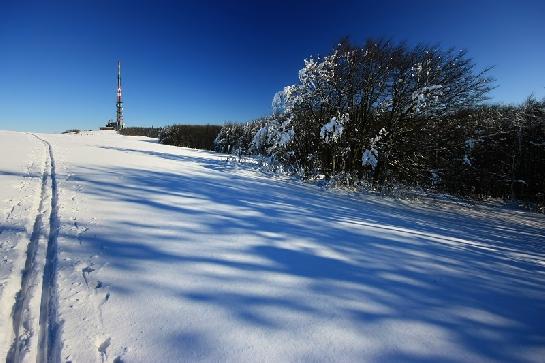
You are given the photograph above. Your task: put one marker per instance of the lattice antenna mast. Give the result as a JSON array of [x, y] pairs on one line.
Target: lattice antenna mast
[[120, 123]]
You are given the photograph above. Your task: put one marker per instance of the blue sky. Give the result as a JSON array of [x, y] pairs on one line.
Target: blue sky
[[215, 61]]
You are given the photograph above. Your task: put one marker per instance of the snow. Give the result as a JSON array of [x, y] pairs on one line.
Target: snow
[[283, 100], [370, 156], [333, 130], [469, 146], [20, 176], [427, 96], [285, 137], [261, 138], [175, 254], [275, 134]]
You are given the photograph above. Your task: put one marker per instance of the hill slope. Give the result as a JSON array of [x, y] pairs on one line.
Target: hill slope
[[173, 254]]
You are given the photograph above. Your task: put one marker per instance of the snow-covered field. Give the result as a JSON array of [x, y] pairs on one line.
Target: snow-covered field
[[172, 254]]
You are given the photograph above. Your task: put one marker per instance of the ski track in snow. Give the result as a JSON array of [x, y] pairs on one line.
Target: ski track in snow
[[49, 326], [22, 325], [158, 253], [25, 318], [20, 181]]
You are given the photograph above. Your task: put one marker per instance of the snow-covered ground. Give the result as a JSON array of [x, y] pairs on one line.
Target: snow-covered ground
[[172, 254]]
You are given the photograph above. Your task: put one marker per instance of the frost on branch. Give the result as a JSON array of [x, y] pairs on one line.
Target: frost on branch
[[275, 134], [333, 130], [283, 100], [284, 137], [370, 156], [427, 97], [317, 72], [469, 145]]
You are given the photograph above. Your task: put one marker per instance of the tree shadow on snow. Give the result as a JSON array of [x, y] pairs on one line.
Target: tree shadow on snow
[[479, 279]]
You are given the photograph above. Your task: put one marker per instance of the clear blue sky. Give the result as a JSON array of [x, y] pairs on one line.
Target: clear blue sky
[[212, 61]]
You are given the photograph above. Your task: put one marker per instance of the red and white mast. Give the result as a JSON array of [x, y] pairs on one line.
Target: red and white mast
[[120, 123]]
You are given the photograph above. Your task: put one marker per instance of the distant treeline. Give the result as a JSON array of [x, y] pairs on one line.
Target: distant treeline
[[193, 136], [141, 131], [385, 114], [72, 131]]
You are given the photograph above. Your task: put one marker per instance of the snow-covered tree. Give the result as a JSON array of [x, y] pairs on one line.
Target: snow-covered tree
[[404, 114], [332, 131], [370, 155]]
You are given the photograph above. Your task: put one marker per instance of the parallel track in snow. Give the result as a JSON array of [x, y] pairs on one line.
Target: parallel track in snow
[[49, 326], [24, 312]]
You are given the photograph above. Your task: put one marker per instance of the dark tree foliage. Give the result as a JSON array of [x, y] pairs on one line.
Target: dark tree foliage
[[380, 86], [193, 136], [141, 131], [506, 157], [392, 114], [72, 131]]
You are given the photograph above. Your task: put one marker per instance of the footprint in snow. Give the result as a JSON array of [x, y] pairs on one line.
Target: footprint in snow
[[102, 348], [85, 272]]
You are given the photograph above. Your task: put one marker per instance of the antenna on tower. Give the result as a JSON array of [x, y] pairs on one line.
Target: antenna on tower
[[120, 123]]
